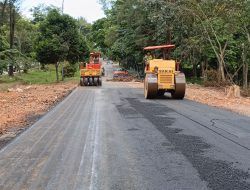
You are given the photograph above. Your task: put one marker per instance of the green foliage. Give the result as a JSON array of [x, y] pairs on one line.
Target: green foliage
[[38, 77], [98, 35], [26, 33], [40, 12], [15, 58], [34, 76], [69, 70], [3, 42], [208, 33], [59, 39]]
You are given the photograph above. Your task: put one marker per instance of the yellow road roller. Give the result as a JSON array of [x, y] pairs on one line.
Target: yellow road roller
[[163, 74]]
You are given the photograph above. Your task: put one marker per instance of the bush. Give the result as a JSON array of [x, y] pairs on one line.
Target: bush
[[69, 71], [3, 66], [26, 67], [212, 78], [245, 92]]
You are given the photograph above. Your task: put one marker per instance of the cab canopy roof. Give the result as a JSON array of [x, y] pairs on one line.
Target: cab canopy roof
[[169, 46]]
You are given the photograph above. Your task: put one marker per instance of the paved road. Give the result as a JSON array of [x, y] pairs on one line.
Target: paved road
[[112, 138]]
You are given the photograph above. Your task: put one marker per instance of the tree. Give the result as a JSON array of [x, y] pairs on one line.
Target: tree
[[17, 59], [3, 6], [26, 33], [13, 8], [40, 12], [207, 34], [59, 40], [98, 35]]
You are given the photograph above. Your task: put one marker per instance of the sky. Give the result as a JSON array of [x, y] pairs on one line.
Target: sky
[[91, 10]]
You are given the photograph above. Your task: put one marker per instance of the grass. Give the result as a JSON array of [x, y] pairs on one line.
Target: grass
[[34, 77]]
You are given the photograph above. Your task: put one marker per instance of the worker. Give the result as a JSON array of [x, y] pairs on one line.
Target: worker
[[96, 60], [103, 71], [148, 57]]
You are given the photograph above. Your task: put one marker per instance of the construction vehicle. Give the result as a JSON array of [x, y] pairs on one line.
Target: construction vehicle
[[91, 73], [120, 73], [163, 75]]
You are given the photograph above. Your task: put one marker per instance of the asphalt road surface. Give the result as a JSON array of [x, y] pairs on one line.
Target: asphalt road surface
[[110, 137]]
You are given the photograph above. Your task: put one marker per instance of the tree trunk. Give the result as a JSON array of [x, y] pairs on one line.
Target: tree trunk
[[2, 12], [12, 32], [12, 26], [194, 70], [203, 69], [221, 69], [194, 64], [11, 70], [57, 74], [245, 69], [245, 76]]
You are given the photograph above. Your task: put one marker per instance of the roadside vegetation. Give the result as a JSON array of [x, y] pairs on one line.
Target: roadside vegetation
[[212, 38], [35, 76], [29, 47]]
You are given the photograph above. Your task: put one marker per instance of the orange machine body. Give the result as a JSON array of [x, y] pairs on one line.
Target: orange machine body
[[91, 72]]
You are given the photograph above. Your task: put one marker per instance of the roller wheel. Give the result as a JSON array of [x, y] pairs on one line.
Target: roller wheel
[[81, 82], [180, 86], [91, 81], [161, 92], [96, 81], [100, 81], [85, 81], [150, 86]]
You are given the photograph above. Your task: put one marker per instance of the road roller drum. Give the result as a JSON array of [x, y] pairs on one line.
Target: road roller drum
[[150, 86]]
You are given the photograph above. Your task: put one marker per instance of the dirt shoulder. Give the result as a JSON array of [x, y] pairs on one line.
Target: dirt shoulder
[[22, 105], [218, 97]]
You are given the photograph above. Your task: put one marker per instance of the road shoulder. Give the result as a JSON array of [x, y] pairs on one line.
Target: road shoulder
[[23, 105]]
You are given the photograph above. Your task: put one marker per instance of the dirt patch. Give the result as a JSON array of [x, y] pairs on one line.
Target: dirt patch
[[21, 106], [218, 97]]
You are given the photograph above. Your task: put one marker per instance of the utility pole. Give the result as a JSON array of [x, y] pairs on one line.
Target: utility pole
[[63, 61], [62, 6]]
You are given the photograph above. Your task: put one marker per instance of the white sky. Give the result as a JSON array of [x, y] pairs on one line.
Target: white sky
[[89, 9]]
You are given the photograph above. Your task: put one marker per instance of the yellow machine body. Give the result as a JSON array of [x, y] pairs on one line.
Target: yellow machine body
[[166, 73], [163, 75], [90, 72]]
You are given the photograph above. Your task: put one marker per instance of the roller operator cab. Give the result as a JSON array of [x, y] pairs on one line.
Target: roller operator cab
[[91, 73], [163, 75]]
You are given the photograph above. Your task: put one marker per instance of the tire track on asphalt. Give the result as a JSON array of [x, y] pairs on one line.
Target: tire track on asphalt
[[208, 128], [21, 157], [56, 157], [87, 176], [95, 141], [72, 159], [218, 173]]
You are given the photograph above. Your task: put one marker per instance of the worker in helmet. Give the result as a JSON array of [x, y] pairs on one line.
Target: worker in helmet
[[147, 58]]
